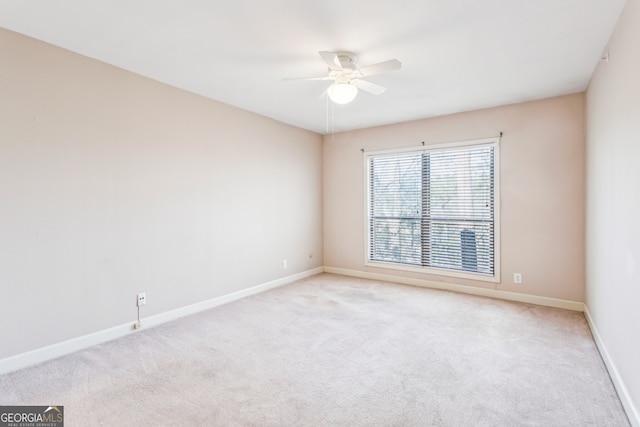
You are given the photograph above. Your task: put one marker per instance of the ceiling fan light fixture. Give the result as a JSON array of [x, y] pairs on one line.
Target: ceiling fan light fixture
[[342, 93]]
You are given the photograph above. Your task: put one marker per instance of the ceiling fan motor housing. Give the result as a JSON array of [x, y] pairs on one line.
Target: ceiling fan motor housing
[[349, 71], [347, 60]]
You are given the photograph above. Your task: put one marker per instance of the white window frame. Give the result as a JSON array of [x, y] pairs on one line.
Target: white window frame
[[495, 278]]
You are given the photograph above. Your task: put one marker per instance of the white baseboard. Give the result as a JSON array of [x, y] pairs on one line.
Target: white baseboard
[[491, 293], [33, 357], [623, 393], [53, 351]]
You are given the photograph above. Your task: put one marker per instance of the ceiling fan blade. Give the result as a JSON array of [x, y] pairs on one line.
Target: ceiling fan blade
[[331, 59], [368, 86], [381, 67]]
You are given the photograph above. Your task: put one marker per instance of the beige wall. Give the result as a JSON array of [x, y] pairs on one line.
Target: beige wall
[[542, 209], [111, 184], [613, 206]]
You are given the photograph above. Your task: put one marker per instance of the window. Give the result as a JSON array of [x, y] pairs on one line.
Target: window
[[435, 209]]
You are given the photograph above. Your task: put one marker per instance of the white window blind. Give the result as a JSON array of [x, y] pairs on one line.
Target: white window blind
[[434, 208]]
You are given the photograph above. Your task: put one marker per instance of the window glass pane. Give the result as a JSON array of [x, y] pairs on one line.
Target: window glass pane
[[461, 246], [461, 183], [396, 198], [396, 188], [460, 217], [396, 240]]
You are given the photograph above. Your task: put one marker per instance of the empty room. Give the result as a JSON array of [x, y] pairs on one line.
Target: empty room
[[337, 213]]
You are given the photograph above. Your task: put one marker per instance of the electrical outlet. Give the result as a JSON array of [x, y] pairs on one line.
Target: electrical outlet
[[284, 263], [517, 278], [142, 299]]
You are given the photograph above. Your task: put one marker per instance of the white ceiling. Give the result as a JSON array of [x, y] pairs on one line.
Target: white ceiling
[[457, 55]]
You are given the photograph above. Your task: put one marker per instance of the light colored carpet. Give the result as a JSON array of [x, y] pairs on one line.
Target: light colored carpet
[[338, 351]]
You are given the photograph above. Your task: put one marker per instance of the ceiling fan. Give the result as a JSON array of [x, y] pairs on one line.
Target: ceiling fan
[[348, 78]]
